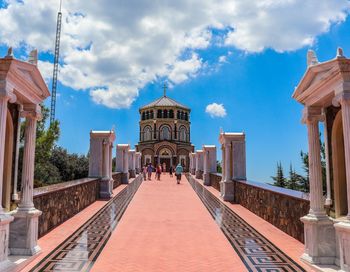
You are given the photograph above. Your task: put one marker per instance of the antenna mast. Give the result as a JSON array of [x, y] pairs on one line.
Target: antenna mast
[[55, 65]]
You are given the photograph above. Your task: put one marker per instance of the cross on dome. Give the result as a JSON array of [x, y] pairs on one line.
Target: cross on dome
[[164, 89]]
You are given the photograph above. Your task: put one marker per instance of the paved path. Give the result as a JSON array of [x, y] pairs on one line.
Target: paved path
[[167, 228]]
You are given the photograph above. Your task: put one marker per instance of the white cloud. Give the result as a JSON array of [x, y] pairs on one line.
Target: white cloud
[[223, 59], [113, 49], [215, 110], [182, 70]]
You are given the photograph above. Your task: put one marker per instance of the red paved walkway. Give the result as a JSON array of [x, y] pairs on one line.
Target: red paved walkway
[[167, 228], [51, 240]]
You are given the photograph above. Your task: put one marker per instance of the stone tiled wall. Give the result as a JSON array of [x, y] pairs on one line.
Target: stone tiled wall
[[199, 174], [280, 209], [59, 202], [215, 180], [117, 179]]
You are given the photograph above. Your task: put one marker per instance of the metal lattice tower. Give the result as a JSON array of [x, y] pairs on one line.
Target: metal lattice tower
[[55, 65]]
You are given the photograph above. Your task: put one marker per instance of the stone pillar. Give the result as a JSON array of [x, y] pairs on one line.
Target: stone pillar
[[132, 163], [209, 152], [328, 178], [138, 162], [319, 232], [15, 176], [122, 162], [100, 161], [191, 162], [5, 219], [343, 228], [106, 183], [226, 184], [194, 163], [199, 164], [24, 229]]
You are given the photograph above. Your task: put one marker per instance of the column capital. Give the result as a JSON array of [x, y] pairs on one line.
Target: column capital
[[341, 98], [312, 114], [32, 111], [6, 92]]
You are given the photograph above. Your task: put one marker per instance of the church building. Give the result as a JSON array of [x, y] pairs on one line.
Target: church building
[[165, 133]]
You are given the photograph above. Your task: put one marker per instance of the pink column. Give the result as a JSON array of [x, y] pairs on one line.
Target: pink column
[[345, 105], [4, 218], [26, 202], [3, 116], [312, 116], [24, 230]]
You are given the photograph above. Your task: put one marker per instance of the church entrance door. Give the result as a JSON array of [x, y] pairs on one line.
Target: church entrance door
[[166, 161]]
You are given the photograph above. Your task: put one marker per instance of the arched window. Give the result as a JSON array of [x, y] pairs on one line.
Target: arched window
[[152, 115], [178, 115], [171, 114], [147, 134], [165, 113], [165, 133], [147, 115], [159, 114], [143, 116], [182, 115], [186, 116], [182, 134]]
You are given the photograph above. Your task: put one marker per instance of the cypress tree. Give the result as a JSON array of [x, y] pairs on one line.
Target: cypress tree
[[279, 179]]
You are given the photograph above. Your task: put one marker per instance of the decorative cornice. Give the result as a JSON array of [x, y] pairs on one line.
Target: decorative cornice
[[31, 111], [312, 114]]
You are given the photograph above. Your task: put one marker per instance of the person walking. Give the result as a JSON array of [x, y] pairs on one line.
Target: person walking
[[178, 172], [164, 168], [158, 171], [171, 170], [144, 172], [149, 171]]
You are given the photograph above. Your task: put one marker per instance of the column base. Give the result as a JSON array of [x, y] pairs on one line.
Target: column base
[[320, 245], [342, 230], [193, 171], [132, 173], [227, 190], [24, 232], [206, 179], [199, 174], [106, 188], [5, 221], [125, 178]]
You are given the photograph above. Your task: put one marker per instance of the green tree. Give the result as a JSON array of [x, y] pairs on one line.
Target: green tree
[[44, 172], [53, 164], [304, 183], [70, 166], [279, 179], [292, 182], [218, 167]]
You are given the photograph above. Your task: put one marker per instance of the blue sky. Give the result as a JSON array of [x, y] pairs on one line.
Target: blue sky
[[254, 83]]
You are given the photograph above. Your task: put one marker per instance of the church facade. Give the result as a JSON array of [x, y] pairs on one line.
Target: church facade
[[165, 135]]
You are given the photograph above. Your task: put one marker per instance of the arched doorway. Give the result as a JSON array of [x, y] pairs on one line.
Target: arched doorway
[[7, 175], [165, 156], [339, 174]]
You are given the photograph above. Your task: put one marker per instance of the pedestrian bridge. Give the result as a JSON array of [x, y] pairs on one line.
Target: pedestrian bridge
[[162, 226], [210, 222]]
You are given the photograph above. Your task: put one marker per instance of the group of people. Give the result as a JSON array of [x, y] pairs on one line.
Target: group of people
[[148, 169]]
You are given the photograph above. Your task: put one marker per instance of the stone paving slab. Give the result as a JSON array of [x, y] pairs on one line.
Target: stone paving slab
[[289, 245], [167, 228], [56, 236]]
